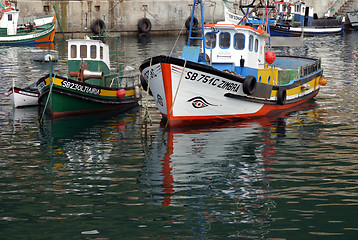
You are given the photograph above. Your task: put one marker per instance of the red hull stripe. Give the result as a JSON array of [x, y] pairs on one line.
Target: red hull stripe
[[266, 110]]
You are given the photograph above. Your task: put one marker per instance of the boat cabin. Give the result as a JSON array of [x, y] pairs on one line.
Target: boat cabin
[[235, 48], [94, 53], [303, 14], [8, 21], [284, 8]]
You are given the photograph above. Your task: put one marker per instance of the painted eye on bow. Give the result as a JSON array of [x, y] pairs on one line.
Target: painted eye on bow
[[199, 102]]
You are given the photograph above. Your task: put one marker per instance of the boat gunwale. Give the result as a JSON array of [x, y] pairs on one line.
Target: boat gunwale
[[206, 68]]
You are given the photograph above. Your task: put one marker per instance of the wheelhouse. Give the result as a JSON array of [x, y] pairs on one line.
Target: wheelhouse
[[235, 48], [94, 52]]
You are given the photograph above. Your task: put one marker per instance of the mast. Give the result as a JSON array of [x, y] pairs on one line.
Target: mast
[[191, 30]]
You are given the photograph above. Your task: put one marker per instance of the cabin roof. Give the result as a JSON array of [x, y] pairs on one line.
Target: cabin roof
[[231, 26]]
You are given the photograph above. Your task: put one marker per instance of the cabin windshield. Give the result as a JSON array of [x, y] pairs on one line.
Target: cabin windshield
[[239, 41], [93, 51], [210, 40], [251, 42], [224, 40], [83, 51]]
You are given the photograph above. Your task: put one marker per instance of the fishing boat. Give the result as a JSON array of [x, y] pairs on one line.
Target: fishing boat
[[352, 18], [37, 31], [91, 84], [24, 97], [232, 76], [301, 19]]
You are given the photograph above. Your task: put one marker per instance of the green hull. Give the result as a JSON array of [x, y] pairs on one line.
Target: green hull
[[64, 101]]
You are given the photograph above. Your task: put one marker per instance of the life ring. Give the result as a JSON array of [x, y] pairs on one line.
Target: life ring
[[98, 26], [144, 25], [188, 22], [281, 96], [261, 27], [249, 85]]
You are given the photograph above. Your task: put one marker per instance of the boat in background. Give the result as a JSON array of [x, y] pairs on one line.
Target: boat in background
[[37, 31], [352, 19], [304, 21], [232, 76], [91, 84], [43, 55], [24, 97]]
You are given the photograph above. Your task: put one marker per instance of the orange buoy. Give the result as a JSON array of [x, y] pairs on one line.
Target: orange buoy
[[121, 92], [323, 81], [270, 57], [7, 94]]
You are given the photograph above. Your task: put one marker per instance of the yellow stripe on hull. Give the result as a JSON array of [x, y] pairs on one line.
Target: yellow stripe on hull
[[103, 92]]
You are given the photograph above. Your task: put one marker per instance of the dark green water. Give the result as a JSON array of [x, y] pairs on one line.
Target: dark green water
[[294, 176]]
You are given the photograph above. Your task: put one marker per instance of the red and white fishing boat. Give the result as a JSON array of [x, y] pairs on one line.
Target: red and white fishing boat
[[237, 79]]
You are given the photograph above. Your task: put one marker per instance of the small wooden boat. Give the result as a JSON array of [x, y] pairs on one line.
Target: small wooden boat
[[231, 76], [91, 85], [40, 30], [24, 97]]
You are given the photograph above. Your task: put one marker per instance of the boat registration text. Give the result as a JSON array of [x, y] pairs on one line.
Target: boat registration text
[[80, 87], [220, 83]]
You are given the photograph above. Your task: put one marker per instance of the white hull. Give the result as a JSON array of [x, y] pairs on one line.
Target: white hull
[[22, 98], [194, 94], [27, 37]]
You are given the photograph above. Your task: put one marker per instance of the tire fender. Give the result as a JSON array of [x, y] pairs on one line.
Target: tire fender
[[188, 21], [281, 96], [249, 85], [144, 25], [98, 26]]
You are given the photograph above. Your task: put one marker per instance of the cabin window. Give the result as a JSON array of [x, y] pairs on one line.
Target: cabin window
[[9, 17], [224, 40], [251, 42], [256, 45], [239, 41], [93, 51], [101, 52], [210, 40], [83, 51], [73, 51]]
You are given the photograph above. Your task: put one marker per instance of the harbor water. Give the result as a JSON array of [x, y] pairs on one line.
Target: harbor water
[[108, 176]]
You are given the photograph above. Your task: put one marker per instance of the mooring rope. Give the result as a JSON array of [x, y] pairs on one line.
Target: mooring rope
[[48, 97], [146, 111], [176, 93], [176, 41]]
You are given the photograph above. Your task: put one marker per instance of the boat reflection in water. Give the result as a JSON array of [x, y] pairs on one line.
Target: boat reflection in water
[[218, 172], [83, 147]]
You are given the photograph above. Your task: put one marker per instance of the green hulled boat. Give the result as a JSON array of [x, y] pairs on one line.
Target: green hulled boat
[[91, 85]]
